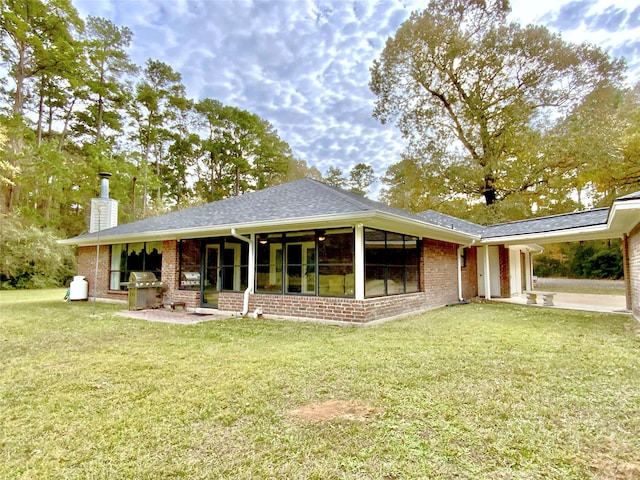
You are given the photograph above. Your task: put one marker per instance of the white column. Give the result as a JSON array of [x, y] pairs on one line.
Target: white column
[[359, 261], [487, 274], [528, 270], [252, 262]]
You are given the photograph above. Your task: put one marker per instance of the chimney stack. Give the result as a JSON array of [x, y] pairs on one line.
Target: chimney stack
[[104, 210], [104, 184]]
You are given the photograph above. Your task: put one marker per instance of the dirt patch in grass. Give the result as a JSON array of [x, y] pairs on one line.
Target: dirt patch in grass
[[350, 410], [613, 469]]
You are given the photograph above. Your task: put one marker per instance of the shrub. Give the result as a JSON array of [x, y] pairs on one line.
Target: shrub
[[32, 258]]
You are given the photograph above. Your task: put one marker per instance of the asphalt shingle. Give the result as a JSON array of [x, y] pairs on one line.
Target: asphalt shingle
[[588, 218], [298, 199]]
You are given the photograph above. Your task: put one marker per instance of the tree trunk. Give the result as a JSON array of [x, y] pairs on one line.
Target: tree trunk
[[489, 191], [66, 124]]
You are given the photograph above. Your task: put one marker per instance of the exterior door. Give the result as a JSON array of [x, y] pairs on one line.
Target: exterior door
[[211, 276], [300, 277], [494, 271]]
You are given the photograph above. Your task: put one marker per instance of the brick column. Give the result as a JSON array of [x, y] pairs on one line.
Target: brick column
[[627, 270]]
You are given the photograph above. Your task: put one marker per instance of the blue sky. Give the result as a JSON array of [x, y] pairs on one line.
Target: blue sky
[[304, 65]]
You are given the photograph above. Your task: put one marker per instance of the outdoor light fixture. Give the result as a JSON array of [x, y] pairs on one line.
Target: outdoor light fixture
[[262, 239], [322, 235]]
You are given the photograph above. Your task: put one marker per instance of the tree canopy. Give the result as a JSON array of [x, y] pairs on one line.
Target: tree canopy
[[477, 98], [74, 104]]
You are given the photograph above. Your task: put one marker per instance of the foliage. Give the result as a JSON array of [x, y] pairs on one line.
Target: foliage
[[475, 391], [335, 177], [474, 95], [31, 257], [361, 176], [74, 104], [592, 259]]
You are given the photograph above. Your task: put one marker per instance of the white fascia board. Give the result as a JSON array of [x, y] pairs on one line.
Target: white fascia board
[[624, 216], [325, 221], [567, 235], [373, 219], [422, 229], [529, 247]]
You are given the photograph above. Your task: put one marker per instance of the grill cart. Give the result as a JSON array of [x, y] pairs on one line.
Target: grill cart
[[145, 291]]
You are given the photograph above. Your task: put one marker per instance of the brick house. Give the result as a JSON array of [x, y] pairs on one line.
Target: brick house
[[307, 250]]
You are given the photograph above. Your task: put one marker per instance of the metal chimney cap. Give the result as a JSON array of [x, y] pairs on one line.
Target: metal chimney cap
[[104, 174]]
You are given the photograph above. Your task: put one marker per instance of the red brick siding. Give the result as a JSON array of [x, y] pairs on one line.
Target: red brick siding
[[439, 272], [634, 270], [505, 284], [86, 267], [438, 282], [470, 274], [326, 308]]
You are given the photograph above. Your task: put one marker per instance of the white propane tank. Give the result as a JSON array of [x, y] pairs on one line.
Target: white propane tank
[[79, 289]]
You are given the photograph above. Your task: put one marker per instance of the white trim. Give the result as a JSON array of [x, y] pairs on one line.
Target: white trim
[[359, 261], [373, 219]]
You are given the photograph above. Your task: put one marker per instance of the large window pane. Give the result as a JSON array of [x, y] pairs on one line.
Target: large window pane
[[190, 253], [269, 263], [391, 263], [335, 263], [300, 262], [235, 259], [134, 257]]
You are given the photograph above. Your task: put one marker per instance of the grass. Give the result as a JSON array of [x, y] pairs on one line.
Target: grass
[[479, 391]]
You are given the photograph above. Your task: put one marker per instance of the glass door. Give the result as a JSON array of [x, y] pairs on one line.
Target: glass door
[[212, 273], [301, 275]]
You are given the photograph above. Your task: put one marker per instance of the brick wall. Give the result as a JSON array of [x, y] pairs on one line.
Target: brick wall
[[439, 272], [505, 284], [327, 308], [634, 270], [438, 278], [470, 274], [86, 267]]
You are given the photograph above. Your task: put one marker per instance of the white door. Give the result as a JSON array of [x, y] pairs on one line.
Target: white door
[[494, 271]]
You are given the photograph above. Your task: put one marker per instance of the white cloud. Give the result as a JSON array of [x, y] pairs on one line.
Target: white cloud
[[304, 65]]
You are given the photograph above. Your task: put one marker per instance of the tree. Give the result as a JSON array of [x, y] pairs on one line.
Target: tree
[[463, 83], [360, 178], [109, 65], [36, 44], [241, 152], [159, 94], [31, 257], [335, 177]]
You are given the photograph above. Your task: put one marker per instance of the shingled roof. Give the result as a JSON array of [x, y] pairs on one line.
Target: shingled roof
[[448, 221], [312, 200], [305, 198], [588, 218]]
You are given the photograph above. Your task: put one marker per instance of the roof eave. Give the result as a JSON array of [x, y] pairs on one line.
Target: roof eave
[[372, 218], [595, 232]]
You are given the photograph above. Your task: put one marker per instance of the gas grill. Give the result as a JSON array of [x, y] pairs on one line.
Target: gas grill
[[145, 291]]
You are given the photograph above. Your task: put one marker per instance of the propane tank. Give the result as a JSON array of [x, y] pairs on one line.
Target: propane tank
[[79, 289]]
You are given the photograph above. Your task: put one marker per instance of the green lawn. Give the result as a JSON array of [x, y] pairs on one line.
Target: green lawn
[[475, 391]]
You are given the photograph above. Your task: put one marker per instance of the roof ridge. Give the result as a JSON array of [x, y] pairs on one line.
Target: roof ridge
[[452, 216], [348, 196]]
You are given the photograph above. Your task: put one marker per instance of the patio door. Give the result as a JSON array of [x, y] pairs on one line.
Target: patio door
[[301, 275], [494, 271], [211, 285]]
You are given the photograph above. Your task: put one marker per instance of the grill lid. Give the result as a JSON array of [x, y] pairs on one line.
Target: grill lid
[[142, 277]]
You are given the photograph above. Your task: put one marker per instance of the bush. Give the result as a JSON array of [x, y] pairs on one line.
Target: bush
[[32, 258], [592, 259]]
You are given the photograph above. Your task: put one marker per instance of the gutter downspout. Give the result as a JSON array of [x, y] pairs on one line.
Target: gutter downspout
[[249, 290], [530, 279]]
